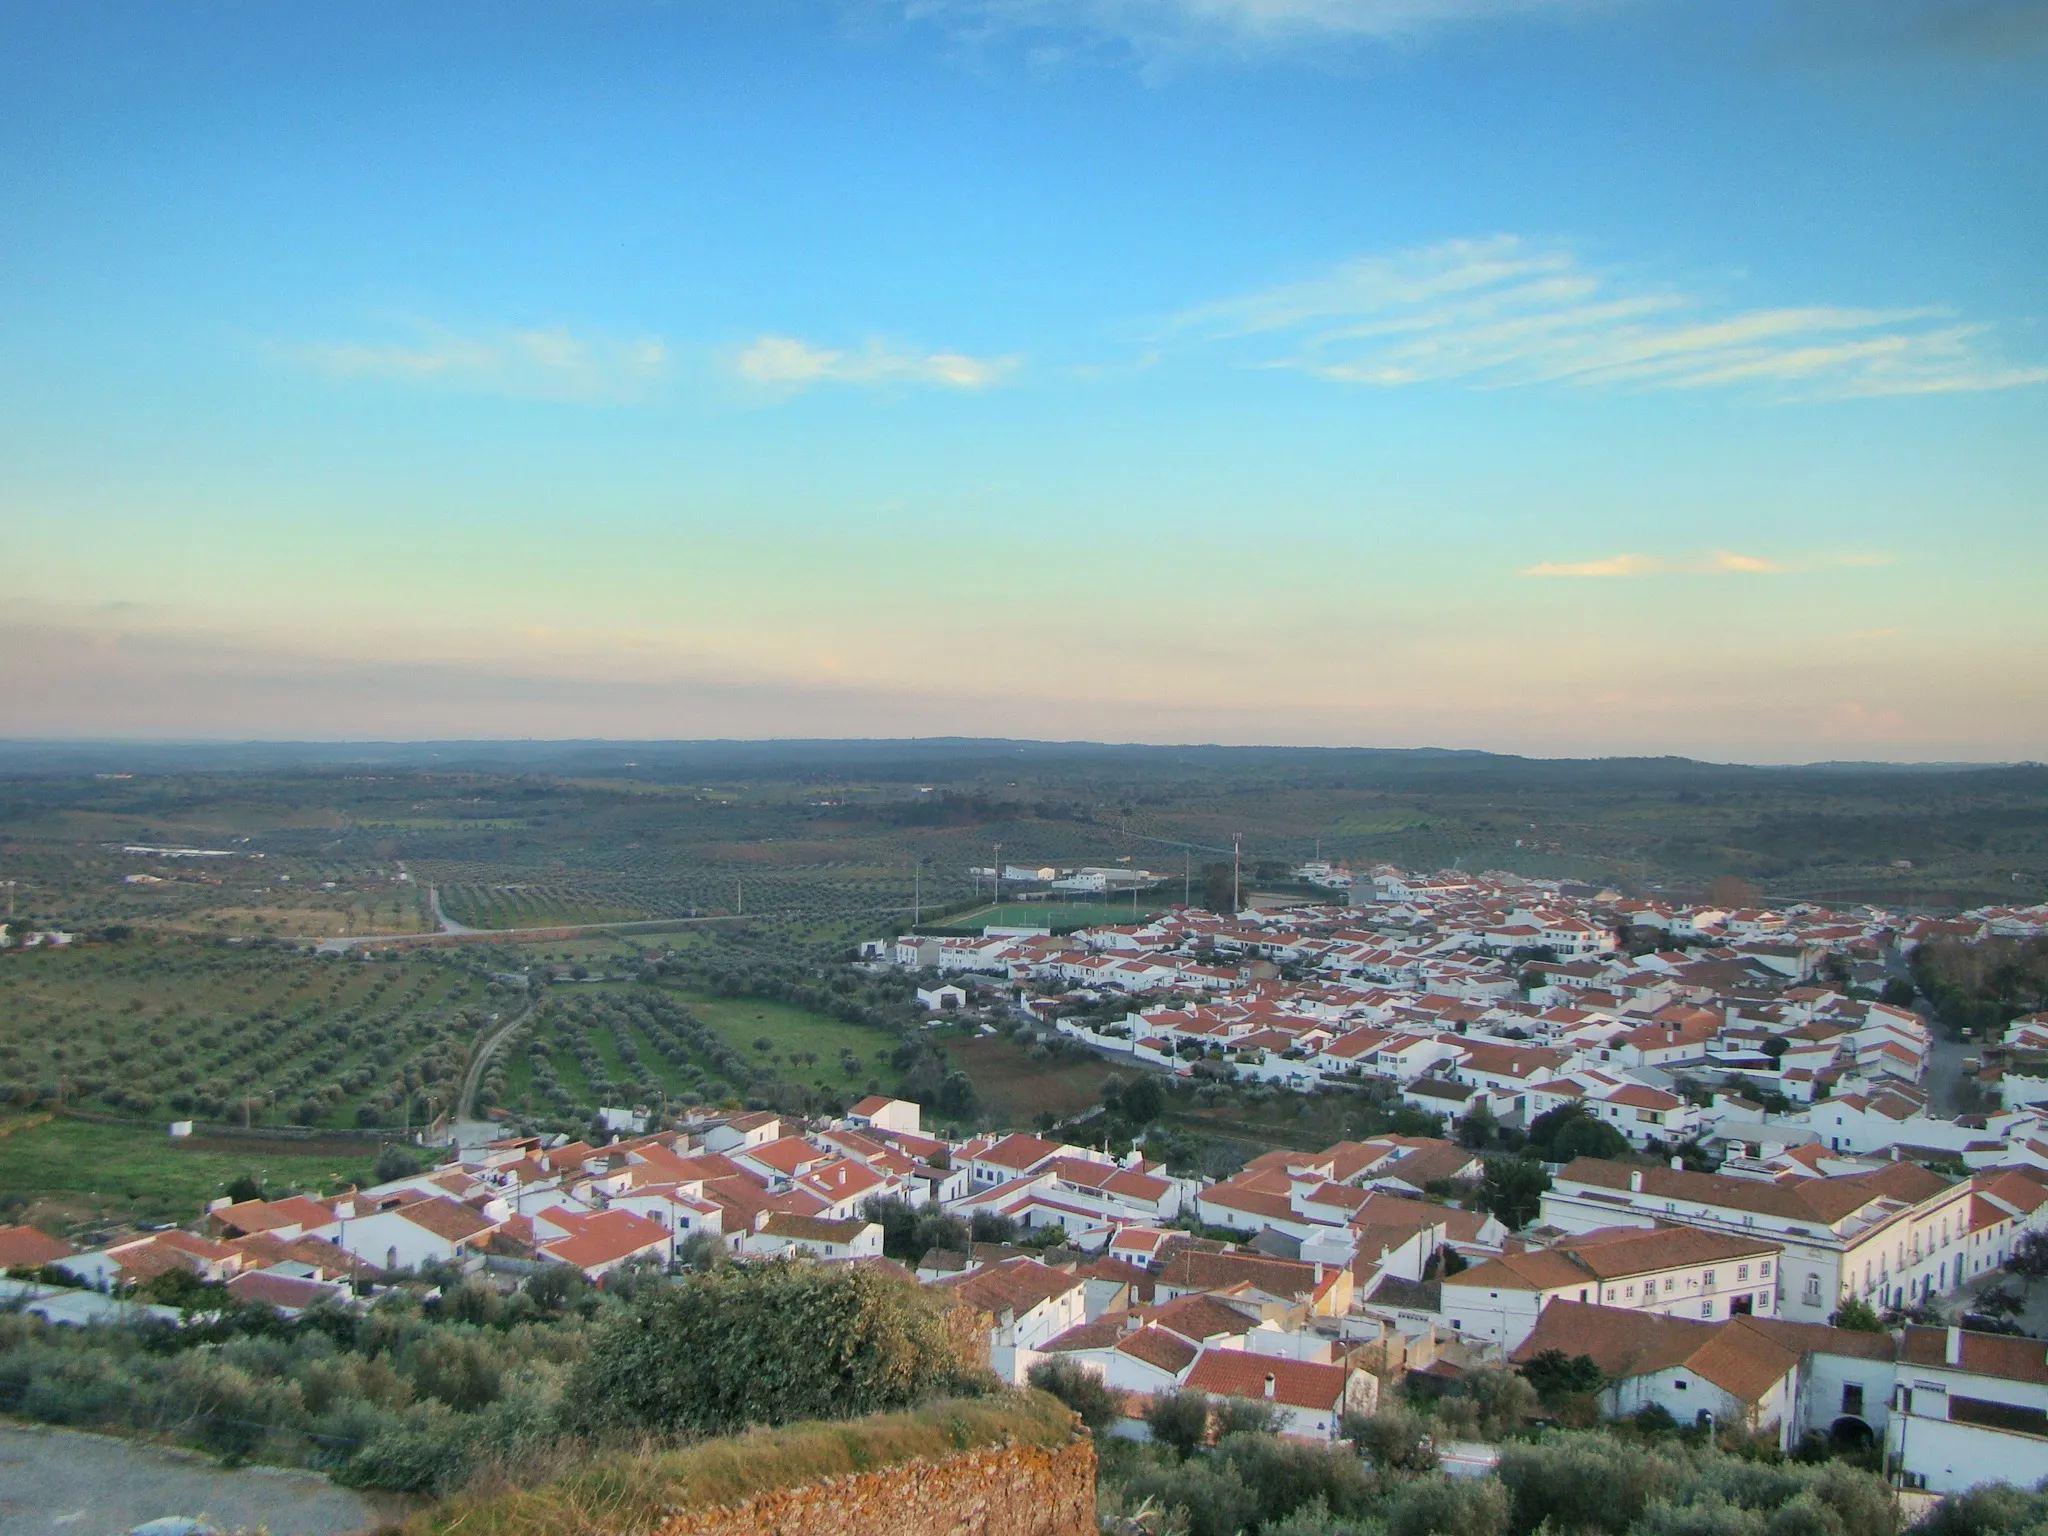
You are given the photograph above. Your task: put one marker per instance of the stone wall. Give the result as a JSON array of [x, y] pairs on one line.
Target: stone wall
[[1012, 1490]]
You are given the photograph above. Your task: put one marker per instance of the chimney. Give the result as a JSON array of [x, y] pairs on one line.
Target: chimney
[[1954, 1353], [1678, 1165], [1272, 1381], [1635, 1181]]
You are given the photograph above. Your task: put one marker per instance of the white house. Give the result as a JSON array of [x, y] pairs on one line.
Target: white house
[[1309, 1399], [1969, 1408], [1675, 1271], [1898, 1233], [776, 1232]]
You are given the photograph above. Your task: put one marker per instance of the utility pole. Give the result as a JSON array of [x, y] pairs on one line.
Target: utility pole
[[1236, 857], [999, 879], [739, 887], [916, 891], [1187, 878]]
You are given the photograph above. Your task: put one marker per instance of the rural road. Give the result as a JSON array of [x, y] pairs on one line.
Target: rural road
[[60, 1482], [342, 946], [465, 1106], [443, 923]]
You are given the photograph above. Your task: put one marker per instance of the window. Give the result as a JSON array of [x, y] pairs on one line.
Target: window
[[1710, 1279], [1765, 1272], [1742, 1271], [1678, 1386], [1852, 1399], [1669, 1283], [1706, 1309]]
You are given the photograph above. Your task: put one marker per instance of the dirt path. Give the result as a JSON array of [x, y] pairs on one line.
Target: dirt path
[[465, 1106], [73, 1484]]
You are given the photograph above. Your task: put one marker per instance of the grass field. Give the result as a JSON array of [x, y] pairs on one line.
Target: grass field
[[92, 1172], [740, 1021]]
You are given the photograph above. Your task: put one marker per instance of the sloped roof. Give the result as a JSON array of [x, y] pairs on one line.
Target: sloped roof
[[1296, 1383], [1825, 1200], [1743, 1361]]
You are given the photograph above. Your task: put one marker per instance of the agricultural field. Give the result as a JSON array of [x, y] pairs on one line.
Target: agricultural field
[[594, 1045], [1059, 916], [163, 1027], [1015, 1090], [90, 1173]]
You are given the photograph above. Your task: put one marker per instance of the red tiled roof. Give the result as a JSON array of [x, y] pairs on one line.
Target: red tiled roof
[[1296, 1383]]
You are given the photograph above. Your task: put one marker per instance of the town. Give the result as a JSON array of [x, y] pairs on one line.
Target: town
[[1739, 1180]]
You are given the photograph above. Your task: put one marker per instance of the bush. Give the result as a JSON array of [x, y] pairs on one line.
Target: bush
[[1444, 1506], [1081, 1390], [1393, 1440], [1179, 1420], [765, 1344]]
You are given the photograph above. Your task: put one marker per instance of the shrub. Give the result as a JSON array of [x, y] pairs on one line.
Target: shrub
[[1393, 1440], [1081, 1390], [1444, 1506], [765, 1344], [1179, 1420]]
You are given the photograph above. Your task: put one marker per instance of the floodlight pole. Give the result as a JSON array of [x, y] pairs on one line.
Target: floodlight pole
[[916, 891], [998, 873]]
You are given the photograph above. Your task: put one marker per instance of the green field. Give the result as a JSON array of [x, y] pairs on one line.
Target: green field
[[1056, 915], [93, 1172], [743, 1020]]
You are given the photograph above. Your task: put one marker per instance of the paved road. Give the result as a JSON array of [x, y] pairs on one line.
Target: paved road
[[59, 1482]]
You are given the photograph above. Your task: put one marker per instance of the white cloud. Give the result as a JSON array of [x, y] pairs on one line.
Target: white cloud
[[1503, 312], [1721, 562], [784, 362], [1160, 30], [550, 363]]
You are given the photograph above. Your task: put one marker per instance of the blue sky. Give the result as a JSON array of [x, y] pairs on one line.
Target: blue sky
[[1547, 376]]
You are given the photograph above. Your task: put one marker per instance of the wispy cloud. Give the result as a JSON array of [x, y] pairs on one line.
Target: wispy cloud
[[1503, 312], [786, 363], [551, 363], [1165, 30], [1722, 562]]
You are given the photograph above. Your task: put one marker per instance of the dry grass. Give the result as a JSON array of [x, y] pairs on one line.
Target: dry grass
[[630, 1491]]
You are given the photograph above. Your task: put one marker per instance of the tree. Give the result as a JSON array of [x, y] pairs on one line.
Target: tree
[[1080, 1390], [1478, 1127], [1570, 1131], [244, 1186], [1179, 1420], [1245, 1416], [395, 1162], [1216, 887], [1858, 1316], [1513, 1189], [1142, 1102], [763, 1344], [1556, 1375], [2030, 1256], [1393, 1440], [1898, 992]]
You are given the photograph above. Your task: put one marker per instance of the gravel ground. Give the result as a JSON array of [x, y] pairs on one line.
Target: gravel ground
[[59, 1482]]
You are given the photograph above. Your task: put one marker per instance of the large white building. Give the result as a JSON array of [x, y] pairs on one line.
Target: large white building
[[1676, 1271], [1892, 1237]]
